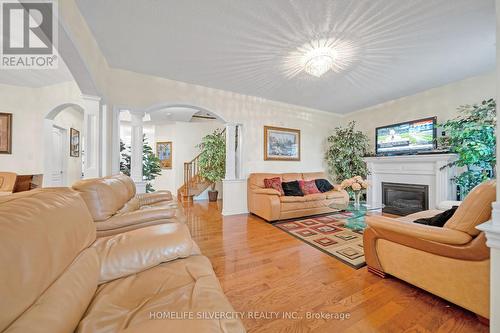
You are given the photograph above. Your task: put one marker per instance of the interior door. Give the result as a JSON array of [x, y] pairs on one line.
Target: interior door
[[57, 157]]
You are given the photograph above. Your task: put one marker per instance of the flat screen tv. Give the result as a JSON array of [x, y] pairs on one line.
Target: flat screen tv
[[406, 138]]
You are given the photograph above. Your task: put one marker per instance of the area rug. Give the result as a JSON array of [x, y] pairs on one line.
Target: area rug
[[328, 234]]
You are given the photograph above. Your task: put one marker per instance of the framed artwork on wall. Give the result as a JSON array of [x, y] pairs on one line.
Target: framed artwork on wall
[[5, 133], [74, 143], [281, 144], [164, 153]]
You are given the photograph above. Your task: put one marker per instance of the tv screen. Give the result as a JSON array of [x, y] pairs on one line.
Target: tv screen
[[406, 138]]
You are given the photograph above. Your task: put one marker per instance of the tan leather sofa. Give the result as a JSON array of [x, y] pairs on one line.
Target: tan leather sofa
[[57, 278], [115, 206], [271, 206], [7, 182], [452, 262]]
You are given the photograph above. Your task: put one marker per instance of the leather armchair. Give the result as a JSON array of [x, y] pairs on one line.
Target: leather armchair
[[7, 182], [56, 277], [452, 262], [115, 207], [272, 206]]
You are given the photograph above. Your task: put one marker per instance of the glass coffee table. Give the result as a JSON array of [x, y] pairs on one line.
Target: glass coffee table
[[355, 216]]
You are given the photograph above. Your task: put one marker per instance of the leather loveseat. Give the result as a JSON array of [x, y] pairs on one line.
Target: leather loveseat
[[452, 262], [272, 206], [7, 182], [116, 207], [57, 278]]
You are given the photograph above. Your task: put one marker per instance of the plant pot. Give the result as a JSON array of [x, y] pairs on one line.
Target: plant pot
[[212, 195]]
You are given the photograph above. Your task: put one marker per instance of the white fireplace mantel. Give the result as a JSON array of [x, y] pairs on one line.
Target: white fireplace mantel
[[412, 169]]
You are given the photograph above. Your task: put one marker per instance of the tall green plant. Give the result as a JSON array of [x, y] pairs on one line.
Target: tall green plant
[[212, 161], [471, 135], [151, 167], [345, 152]]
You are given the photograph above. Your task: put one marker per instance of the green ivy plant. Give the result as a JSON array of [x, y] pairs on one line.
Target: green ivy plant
[[151, 166], [345, 152], [471, 135], [212, 161]]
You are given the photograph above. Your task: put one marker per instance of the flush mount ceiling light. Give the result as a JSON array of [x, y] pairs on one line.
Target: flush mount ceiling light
[[319, 60], [319, 56]]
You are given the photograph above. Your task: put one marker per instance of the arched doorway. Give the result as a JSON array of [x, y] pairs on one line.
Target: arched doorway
[[63, 137]]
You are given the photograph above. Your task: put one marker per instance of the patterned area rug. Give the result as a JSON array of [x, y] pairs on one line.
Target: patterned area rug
[[328, 234]]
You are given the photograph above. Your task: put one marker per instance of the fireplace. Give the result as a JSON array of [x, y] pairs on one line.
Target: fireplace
[[404, 199]]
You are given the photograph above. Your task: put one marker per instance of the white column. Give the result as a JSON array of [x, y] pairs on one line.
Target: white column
[[92, 136], [136, 151], [230, 152], [115, 141]]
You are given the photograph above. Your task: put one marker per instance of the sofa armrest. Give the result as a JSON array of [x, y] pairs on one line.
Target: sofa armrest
[[146, 199], [268, 191], [137, 250], [430, 233]]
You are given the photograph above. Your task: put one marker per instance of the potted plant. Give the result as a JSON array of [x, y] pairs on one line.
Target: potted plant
[[212, 160], [345, 153], [471, 135]]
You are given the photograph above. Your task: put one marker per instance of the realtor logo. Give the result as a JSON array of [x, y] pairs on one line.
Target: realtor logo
[[29, 31]]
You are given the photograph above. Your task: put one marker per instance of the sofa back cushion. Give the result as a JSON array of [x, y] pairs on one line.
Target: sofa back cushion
[[7, 181], [474, 210], [103, 196], [314, 175], [129, 184], [48, 273], [290, 177]]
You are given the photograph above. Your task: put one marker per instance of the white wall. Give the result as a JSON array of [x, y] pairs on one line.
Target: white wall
[[441, 102], [184, 136], [29, 107], [67, 119]]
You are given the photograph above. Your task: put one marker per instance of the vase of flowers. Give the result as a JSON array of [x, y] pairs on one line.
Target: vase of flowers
[[355, 185]]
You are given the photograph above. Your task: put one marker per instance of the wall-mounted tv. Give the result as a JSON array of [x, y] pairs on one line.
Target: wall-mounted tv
[[406, 138]]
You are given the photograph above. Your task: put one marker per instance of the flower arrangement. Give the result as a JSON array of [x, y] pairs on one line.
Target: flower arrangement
[[355, 184]]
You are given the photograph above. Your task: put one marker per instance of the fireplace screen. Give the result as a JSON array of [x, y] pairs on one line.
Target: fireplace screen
[[404, 199]]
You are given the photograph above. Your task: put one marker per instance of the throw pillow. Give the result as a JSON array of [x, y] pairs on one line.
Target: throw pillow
[[274, 183], [323, 185], [438, 220], [308, 186], [292, 189]]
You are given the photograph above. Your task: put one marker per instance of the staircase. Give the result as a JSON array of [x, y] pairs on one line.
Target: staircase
[[194, 184]]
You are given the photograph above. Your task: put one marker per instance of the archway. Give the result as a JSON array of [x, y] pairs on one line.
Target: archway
[[63, 134]]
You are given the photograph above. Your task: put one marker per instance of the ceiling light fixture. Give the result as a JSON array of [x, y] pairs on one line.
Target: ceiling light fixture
[[319, 56], [319, 60]]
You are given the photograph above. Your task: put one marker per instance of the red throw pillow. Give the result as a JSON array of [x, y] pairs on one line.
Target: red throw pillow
[[308, 186], [274, 183]]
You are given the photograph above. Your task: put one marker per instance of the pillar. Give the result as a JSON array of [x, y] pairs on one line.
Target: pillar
[[92, 136], [136, 151], [230, 152]]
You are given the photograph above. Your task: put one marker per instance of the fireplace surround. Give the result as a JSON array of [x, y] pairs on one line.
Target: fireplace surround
[[404, 199]]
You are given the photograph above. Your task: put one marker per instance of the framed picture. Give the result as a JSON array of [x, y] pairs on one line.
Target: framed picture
[[74, 143], [164, 153], [281, 144], [5, 133]]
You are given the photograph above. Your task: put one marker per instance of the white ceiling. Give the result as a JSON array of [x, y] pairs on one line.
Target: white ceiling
[[403, 46]]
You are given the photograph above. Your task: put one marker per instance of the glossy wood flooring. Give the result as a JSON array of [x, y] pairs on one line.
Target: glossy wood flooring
[[263, 269]]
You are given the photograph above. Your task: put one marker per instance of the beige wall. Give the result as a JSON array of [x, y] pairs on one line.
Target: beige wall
[[67, 119], [29, 107], [441, 102]]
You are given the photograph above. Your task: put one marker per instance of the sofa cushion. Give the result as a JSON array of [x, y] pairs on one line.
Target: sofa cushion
[[323, 185], [256, 180], [292, 188], [288, 177], [136, 217], [313, 175], [42, 234], [293, 199], [275, 184], [100, 197], [308, 187], [315, 196], [185, 285]]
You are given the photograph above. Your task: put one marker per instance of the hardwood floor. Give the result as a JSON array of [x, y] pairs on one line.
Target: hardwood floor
[[263, 269]]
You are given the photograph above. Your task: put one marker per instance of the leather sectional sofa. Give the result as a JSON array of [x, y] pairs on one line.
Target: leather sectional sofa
[[271, 206], [452, 262], [56, 277], [116, 207]]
